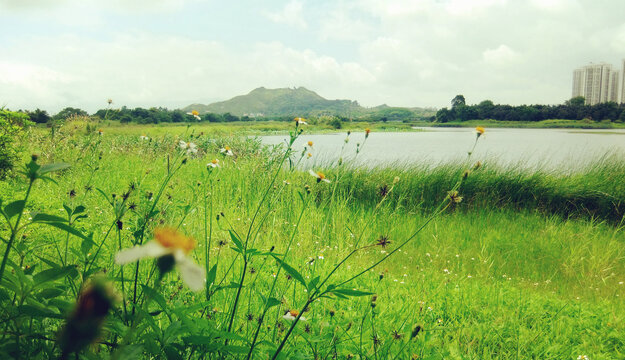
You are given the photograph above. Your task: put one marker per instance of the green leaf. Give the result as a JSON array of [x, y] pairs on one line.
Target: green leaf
[[86, 245], [36, 311], [351, 292], [289, 269], [212, 275], [313, 283], [271, 302], [14, 208], [48, 168], [235, 239], [39, 217], [157, 297], [66, 227], [54, 274]]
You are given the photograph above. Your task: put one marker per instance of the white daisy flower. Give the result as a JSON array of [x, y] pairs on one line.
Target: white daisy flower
[[226, 151], [319, 175], [168, 242], [143, 137], [291, 315], [190, 147], [213, 164], [300, 121], [195, 114]]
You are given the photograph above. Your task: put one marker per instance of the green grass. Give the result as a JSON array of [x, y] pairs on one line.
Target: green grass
[[529, 265], [544, 124]]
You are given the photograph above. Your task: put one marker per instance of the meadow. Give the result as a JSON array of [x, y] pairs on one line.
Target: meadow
[[467, 260]]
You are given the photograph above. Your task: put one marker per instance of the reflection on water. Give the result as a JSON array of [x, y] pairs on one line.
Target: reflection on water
[[550, 148]]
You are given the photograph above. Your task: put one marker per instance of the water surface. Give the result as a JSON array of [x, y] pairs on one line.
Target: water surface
[[550, 148]]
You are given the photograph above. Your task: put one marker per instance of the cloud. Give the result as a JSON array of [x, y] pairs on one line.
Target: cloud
[[291, 14], [502, 55]]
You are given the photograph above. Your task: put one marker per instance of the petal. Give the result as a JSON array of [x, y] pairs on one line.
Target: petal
[[311, 172], [192, 274], [326, 180], [151, 249]]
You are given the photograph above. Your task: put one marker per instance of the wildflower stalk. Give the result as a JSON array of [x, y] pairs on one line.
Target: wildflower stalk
[[249, 232], [14, 228], [275, 280]]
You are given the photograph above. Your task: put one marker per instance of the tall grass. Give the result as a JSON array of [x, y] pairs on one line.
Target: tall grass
[[504, 274]]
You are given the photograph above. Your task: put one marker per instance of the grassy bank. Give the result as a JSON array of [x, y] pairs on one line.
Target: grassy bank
[[503, 274], [545, 124]]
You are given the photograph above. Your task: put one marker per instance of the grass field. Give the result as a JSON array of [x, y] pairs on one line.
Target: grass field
[[529, 265]]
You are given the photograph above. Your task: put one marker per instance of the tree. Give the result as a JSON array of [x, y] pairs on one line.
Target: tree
[[576, 101], [39, 116], [457, 101], [485, 109], [444, 115], [69, 112]]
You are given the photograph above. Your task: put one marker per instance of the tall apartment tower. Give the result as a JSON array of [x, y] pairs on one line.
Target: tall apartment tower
[[597, 83], [623, 83]]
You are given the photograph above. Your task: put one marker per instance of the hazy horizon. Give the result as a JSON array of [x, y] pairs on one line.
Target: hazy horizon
[[173, 53]]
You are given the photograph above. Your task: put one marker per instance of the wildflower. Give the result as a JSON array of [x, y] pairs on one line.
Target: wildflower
[[195, 114], [415, 331], [143, 137], [213, 164], [395, 180], [100, 132], [320, 257], [309, 155], [383, 241], [376, 340], [397, 335], [190, 147], [477, 165], [367, 132], [110, 101], [454, 197], [300, 121], [310, 143], [169, 248], [319, 175], [286, 182], [292, 315], [583, 357], [480, 131], [84, 324], [226, 151], [383, 190]]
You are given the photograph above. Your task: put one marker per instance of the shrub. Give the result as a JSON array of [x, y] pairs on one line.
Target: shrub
[[12, 125]]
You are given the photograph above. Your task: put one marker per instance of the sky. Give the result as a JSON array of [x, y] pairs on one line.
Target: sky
[[172, 53]]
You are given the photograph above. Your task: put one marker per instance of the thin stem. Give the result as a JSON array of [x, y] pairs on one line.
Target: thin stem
[[14, 230]]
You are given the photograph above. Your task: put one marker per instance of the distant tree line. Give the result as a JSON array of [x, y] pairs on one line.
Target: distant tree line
[[573, 109], [164, 115]]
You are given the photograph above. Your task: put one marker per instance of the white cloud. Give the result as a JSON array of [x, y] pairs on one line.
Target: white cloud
[[292, 15], [502, 55]]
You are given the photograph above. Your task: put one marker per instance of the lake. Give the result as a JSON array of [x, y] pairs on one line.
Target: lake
[[562, 149]]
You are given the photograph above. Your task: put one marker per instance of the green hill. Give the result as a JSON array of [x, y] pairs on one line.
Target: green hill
[[279, 102], [262, 102]]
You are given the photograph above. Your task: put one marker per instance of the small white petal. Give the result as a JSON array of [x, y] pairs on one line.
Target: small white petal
[[311, 172], [192, 274], [151, 249], [326, 180]]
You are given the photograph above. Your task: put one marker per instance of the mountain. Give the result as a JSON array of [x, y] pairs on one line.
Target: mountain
[[262, 102], [279, 102]]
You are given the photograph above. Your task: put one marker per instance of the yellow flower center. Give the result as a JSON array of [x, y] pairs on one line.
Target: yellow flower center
[[309, 155], [479, 129], [367, 131], [227, 148], [310, 143], [171, 238], [215, 161], [294, 313], [321, 176], [195, 113]]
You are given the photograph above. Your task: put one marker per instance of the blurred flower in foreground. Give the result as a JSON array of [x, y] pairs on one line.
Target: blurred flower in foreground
[[454, 197], [100, 132], [195, 114], [190, 147], [310, 143], [292, 315], [480, 131], [110, 101], [84, 324], [319, 175], [300, 121], [367, 132], [226, 151], [169, 248], [143, 137]]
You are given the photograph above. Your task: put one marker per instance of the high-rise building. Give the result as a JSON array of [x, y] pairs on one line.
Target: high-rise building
[[597, 83], [623, 83]]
